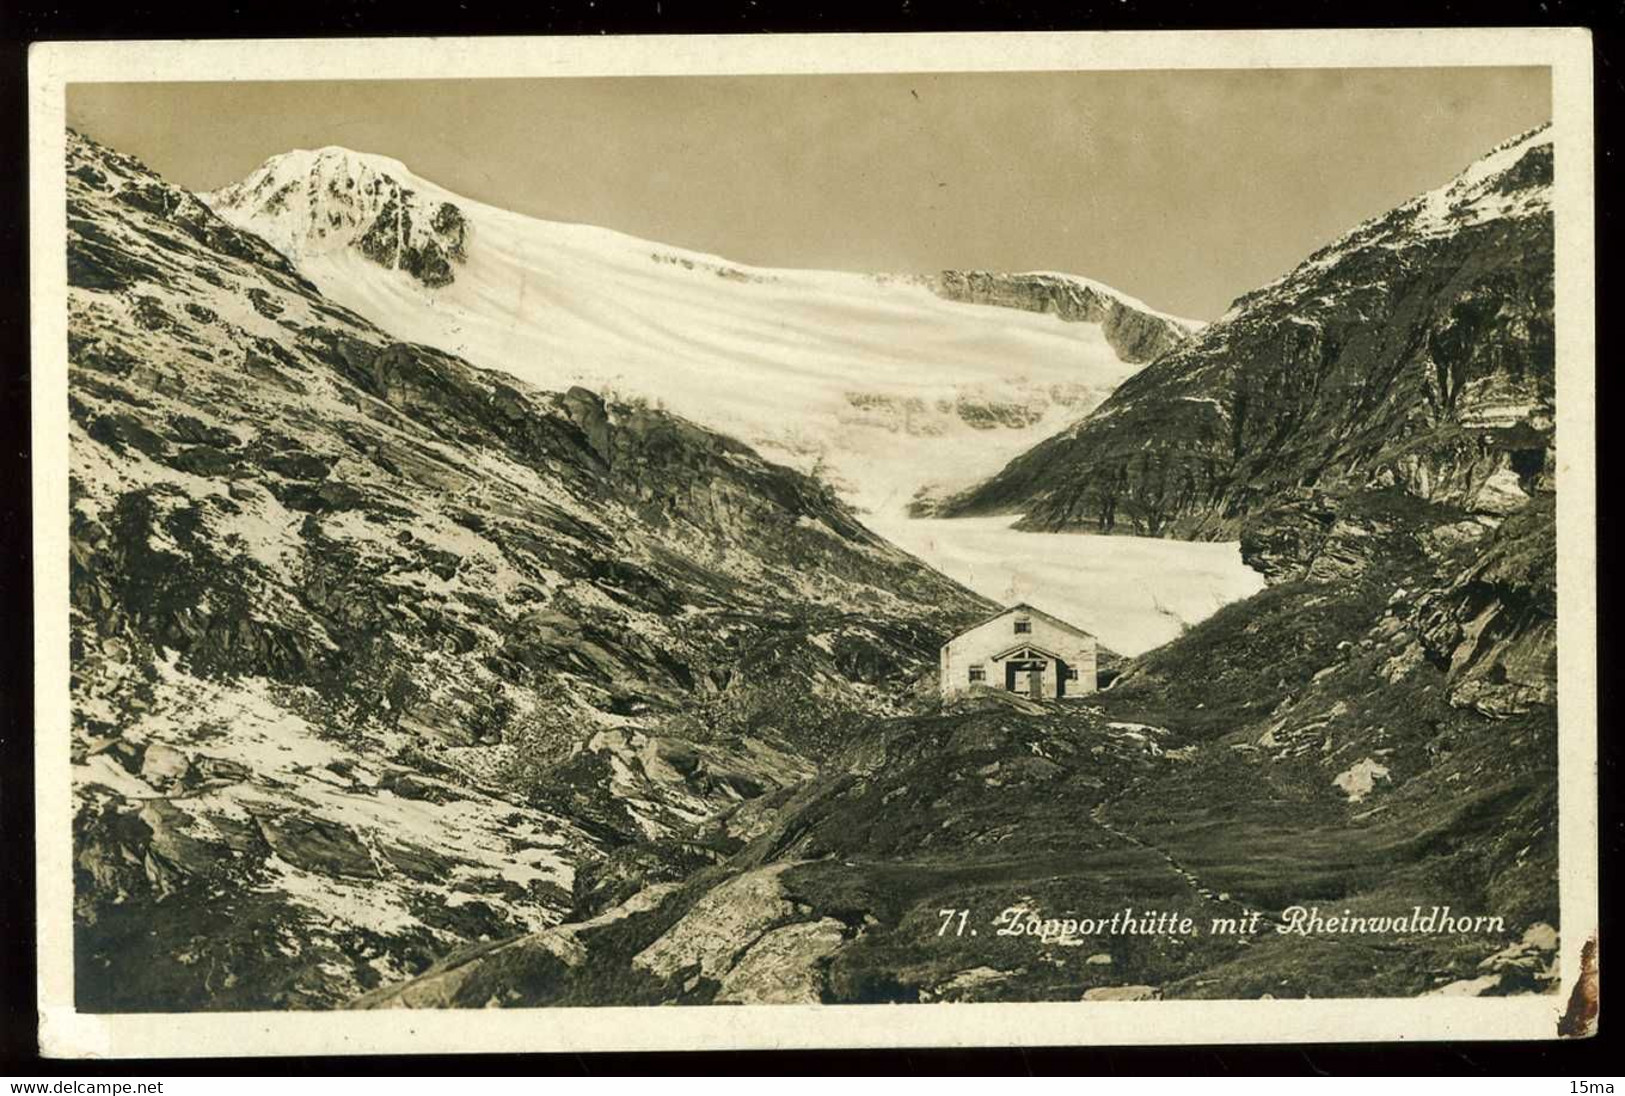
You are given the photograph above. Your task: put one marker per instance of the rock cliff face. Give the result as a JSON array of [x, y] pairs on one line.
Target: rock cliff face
[[1137, 332], [1493, 625], [1416, 352], [376, 653]]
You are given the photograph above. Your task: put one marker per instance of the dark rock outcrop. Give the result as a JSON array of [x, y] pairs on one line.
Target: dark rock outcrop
[[1494, 625], [1137, 333]]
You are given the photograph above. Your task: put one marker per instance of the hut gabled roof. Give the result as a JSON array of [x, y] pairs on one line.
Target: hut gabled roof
[[1022, 606], [1033, 647]]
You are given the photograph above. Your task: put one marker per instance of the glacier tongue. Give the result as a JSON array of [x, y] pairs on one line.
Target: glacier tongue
[[1133, 593]]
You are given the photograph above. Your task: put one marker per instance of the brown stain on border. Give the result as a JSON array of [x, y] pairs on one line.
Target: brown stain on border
[[1579, 1020]]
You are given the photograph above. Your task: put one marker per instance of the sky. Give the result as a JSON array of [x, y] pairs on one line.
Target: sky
[[1183, 188]]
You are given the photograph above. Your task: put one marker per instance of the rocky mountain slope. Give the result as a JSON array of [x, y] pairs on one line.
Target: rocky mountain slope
[[1395, 390], [1364, 745], [1317, 745], [375, 653], [885, 386], [1415, 352]]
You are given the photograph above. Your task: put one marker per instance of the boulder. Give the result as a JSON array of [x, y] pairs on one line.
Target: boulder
[[317, 844], [784, 967], [1122, 993], [721, 925], [1361, 778], [164, 766]]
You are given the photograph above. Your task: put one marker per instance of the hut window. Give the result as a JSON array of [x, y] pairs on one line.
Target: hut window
[[977, 673], [1071, 673], [1023, 627]]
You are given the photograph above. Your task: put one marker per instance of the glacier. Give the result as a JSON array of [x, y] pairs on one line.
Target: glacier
[[880, 384]]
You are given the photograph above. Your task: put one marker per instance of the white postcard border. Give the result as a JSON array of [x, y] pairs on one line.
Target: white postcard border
[[68, 1033]]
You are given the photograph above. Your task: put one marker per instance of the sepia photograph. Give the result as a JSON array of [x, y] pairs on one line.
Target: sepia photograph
[[870, 530]]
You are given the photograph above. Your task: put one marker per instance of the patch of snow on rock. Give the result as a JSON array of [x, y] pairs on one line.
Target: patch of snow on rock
[[1360, 779]]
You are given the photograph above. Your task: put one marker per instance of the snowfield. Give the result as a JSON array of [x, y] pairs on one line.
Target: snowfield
[[1133, 593]]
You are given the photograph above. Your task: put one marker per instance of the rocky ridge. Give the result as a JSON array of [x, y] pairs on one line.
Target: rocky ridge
[[1416, 352], [1136, 331]]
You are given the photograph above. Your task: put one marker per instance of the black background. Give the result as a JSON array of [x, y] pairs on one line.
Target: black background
[[26, 21]]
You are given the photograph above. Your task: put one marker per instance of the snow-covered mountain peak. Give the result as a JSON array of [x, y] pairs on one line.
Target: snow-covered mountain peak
[[328, 162], [311, 201], [1510, 182]]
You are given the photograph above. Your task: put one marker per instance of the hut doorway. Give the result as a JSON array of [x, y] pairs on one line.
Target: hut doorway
[[1025, 676]]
